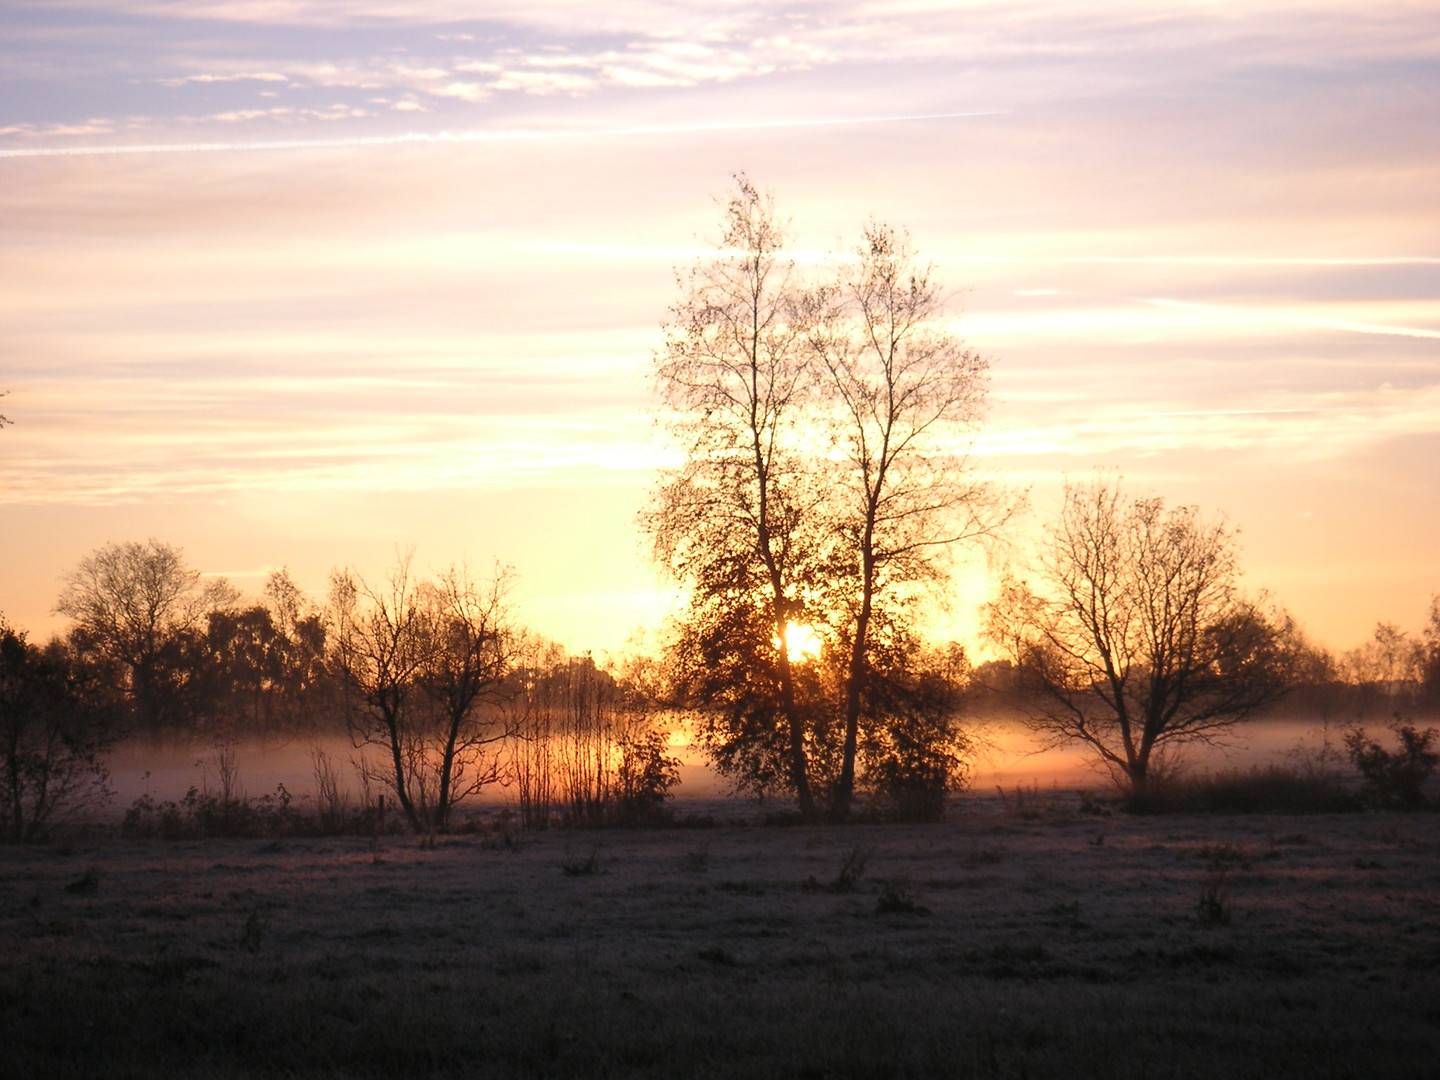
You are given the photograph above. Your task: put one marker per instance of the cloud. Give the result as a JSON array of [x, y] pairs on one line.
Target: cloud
[[92, 127], [443, 137], [472, 92], [1251, 315], [244, 76]]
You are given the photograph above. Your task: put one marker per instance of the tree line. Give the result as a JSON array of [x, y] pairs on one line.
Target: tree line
[[436, 684]]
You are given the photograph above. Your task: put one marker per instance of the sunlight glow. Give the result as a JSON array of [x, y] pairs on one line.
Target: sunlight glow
[[801, 643]]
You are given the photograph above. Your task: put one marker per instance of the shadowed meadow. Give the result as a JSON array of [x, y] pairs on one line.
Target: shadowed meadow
[[1026, 937]]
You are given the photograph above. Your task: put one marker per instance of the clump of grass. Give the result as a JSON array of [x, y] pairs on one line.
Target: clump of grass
[[254, 931], [697, 861], [1023, 803], [898, 898], [201, 814], [1224, 856], [1213, 908], [502, 836], [581, 867], [87, 884], [852, 869], [983, 857], [1274, 789], [1064, 915], [743, 888]]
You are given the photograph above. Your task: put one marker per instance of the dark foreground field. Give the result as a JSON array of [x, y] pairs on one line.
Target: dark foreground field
[[999, 944]]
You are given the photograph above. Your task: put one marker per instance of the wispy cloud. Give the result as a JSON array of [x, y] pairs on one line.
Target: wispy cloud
[[1249, 316], [442, 137], [1330, 427]]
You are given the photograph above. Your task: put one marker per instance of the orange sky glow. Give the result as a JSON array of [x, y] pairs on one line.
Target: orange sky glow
[[296, 283]]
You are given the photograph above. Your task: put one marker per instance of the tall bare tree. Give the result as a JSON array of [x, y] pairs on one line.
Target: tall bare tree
[[734, 523], [902, 395], [469, 650], [1136, 635]]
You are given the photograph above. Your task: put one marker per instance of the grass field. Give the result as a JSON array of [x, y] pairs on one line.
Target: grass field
[[1016, 939]]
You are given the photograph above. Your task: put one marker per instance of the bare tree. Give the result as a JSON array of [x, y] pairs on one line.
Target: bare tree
[[417, 660], [902, 396], [137, 605], [469, 650], [734, 522], [1137, 638]]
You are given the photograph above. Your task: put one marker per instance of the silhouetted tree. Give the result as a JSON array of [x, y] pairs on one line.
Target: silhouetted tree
[[734, 523], [1432, 652], [266, 662], [417, 659], [141, 609], [900, 393], [55, 725], [825, 483], [913, 751], [469, 648], [1137, 638], [1390, 665]]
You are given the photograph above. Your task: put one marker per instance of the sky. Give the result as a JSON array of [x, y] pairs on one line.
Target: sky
[[307, 283]]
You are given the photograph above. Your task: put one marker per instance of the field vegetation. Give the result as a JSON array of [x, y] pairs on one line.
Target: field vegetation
[[1034, 936]]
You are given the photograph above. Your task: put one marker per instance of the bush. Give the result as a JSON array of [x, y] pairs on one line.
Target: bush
[[201, 814], [1274, 789], [1395, 780], [55, 727], [645, 776]]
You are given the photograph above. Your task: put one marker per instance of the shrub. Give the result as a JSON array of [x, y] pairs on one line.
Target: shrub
[[1273, 789], [200, 814], [645, 776], [55, 727], [1395, 779]]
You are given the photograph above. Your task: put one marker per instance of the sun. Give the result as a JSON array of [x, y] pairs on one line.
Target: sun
[[801, 643]]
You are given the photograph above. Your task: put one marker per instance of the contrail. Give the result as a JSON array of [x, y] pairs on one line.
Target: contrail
[[423, 137]]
